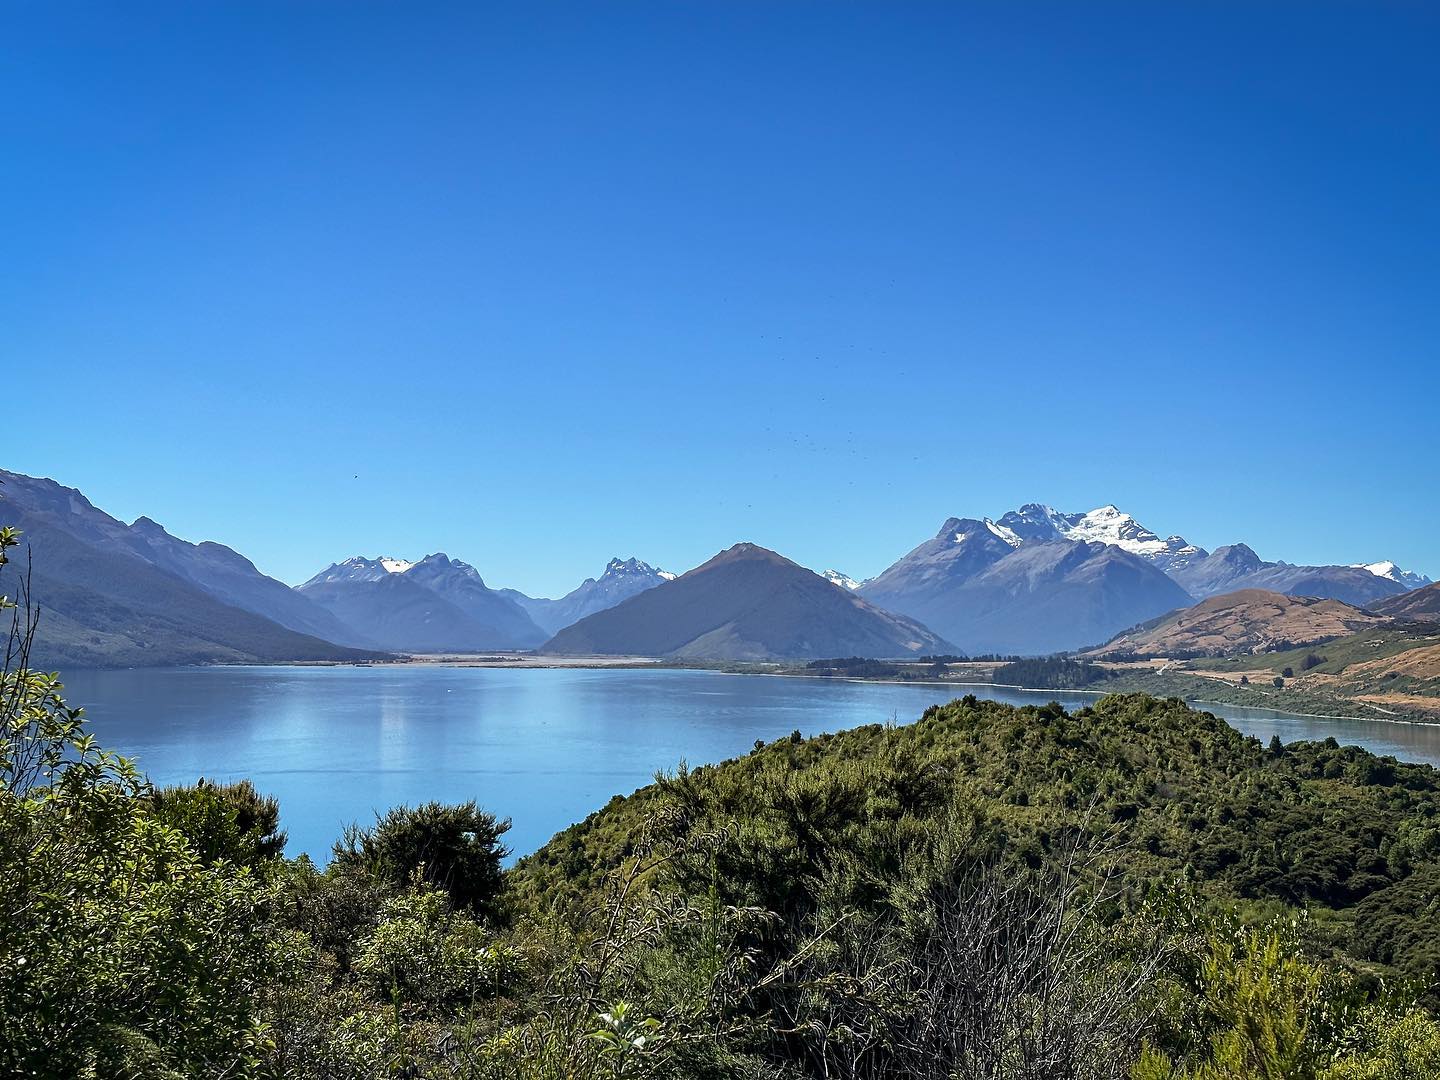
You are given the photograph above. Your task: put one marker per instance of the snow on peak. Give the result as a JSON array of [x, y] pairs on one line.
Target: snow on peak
[[1391, 572], [1111, 525], [618, 567], [1106, 524], [393, 566], [358, 568], [1004, 533], [835, 577]]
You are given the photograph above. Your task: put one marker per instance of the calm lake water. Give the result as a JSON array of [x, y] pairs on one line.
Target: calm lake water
[[544, 747]]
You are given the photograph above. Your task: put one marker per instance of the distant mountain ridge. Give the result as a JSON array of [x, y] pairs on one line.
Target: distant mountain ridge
[[972, 583], [620, 580], [988, 589], [1035, 580], [747, 603], [1236, 566], [438, 604], [1106, 525], [117, 595]]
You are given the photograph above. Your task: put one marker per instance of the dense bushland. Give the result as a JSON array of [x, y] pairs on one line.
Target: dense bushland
[[1132, 890]]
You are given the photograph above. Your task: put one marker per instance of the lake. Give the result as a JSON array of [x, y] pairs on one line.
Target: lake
[[544, 747]]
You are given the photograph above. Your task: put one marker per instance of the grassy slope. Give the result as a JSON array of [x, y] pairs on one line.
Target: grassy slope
[[1336, 829], [1381, 674]]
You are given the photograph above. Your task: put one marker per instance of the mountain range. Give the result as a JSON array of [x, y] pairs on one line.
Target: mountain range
[[747, 603], [622, 579], [1038, 580], [438, 604], [992, 592], [1033, 581], [111, 594]]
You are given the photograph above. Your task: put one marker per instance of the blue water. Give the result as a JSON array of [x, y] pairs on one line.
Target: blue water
[[544, 747]]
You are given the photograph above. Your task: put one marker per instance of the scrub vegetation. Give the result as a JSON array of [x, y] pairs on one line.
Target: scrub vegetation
[[1133, 890]]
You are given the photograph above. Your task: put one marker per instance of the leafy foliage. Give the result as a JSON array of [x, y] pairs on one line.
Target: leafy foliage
[[988, 893], [1051, 674], [454, 848]]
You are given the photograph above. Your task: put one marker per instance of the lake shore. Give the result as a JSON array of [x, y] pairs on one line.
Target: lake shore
[[535, 661]]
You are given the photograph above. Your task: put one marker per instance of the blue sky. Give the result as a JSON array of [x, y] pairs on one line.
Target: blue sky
[[539, 284]]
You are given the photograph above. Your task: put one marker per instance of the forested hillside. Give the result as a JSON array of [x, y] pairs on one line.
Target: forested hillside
[[1133, 891]]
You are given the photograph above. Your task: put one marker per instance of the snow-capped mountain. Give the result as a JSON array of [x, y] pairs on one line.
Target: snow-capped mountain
[[1391, 572], [835, 577], [1039, 579], [622, 579], [1201, 572], [1020, 585], [438, 604], [1106, 525], [360, 569]]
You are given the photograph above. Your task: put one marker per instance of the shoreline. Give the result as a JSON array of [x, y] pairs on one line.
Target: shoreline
[[524, 662]]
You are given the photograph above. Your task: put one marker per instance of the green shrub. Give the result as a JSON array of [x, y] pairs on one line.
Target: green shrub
[[454, 848]]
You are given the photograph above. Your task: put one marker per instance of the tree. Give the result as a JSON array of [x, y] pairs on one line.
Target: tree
[[121, 952], [223, 821], [454, 848]]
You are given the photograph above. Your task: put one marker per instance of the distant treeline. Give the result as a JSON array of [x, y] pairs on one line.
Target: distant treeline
[[1051, 674], [855, 667]]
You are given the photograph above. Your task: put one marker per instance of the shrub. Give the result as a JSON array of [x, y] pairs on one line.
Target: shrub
[[454, 848], [223, 821]]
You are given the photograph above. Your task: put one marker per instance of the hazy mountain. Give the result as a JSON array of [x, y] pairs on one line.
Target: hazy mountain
[[1039, 597], [105, 602], [360, 569], [1236, 567], [1203, 573], [1422, 604], [1388, 569], [214, 568], [1106, 525], [621, 579], [1249, 621], [975, 583], [1218, 571], [438, 604], [461, 584], [961, 549], [747, 603]]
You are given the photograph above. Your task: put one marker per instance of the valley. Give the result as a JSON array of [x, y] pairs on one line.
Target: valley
[[1033, 582]]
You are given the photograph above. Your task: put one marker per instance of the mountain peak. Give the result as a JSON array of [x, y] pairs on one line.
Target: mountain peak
[[359, 568], [747, 603], [845, 581], [618, 567], [439, 564], [747, 550], [1390, 572]]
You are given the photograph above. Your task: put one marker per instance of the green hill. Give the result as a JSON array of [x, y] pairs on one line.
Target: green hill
[[1349, 835]]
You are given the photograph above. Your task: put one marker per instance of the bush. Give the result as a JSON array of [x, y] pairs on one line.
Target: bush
[[122, 952], [223, 821], [454, 848]]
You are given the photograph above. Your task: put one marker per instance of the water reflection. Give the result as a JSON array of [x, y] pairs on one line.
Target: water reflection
[[546, 747]]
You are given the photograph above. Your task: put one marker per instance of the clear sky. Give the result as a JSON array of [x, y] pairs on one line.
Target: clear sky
[[536, 285]]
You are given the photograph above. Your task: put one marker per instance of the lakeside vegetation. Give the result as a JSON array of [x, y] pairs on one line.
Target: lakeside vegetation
[[1131, 891]]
